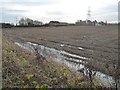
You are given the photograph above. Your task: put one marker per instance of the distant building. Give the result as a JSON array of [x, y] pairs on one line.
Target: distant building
[[63, 24], [57, 23], [54, 23], [6, 25], [98, 24]]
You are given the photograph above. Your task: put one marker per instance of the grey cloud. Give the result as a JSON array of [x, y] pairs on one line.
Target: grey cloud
[[109, 13], [106, 10], [29, 2], [111, 8], [7, 17], [13, 10], [10, 14], [119, 11], [107, 16], [55, 13]]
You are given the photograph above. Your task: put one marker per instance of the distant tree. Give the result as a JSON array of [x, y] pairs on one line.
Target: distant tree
[[22, 22], [106, 22], [29, 22], [95, 22], [79, 22], [89, 22], [36, 23], [102, 23]]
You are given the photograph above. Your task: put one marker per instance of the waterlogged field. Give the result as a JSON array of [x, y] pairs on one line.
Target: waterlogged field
[[98, 44]]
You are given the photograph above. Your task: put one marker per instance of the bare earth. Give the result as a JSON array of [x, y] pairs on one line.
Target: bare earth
[[99, 43]]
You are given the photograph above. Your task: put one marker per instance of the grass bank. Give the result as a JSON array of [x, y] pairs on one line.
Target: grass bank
[[22, 69]]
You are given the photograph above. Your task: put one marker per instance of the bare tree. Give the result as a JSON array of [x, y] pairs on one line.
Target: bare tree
[[29, 22]]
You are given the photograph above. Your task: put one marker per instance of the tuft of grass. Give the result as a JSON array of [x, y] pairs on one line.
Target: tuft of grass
[[23, 63]]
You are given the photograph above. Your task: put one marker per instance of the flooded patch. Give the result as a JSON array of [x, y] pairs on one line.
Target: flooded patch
[[80, 48], [62, 45], [73, 61]]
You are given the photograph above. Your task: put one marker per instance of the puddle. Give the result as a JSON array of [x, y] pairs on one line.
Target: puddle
[[62, 45], [73, 61], [80, 48]]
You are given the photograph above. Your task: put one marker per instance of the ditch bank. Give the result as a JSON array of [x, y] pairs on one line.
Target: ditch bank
[[73, 61]]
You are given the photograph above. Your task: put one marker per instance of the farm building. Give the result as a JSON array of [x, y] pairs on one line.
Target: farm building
[[57, 23]]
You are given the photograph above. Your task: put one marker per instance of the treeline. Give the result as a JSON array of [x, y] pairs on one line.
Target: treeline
[[92, 23], [31, 23], [27, 22]]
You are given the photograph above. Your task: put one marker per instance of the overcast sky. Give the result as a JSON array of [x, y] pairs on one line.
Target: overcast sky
[[61, 10]]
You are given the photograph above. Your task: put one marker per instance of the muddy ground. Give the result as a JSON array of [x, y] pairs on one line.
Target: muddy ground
[[99, 43]]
